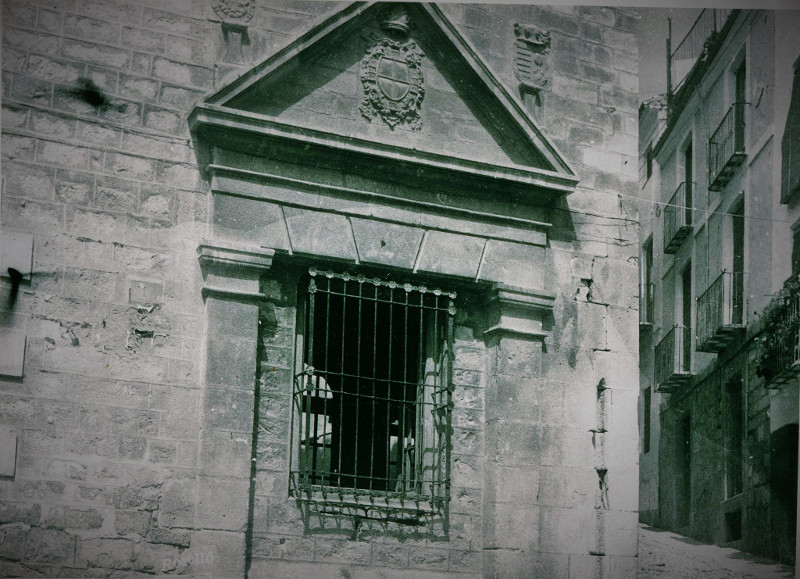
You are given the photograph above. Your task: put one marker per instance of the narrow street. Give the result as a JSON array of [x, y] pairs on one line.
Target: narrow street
[[665, 555]]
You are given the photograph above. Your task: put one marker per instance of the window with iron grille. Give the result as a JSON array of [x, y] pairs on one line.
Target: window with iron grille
[[372, 392]]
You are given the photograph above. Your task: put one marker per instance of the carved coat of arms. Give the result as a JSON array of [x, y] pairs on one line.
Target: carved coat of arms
[[391, 73], [531, 62]]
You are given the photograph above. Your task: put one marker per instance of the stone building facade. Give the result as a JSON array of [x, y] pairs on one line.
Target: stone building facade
[[719, 354], [315, 289]]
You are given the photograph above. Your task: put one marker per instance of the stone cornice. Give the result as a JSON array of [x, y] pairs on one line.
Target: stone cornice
[[220, 125], [232, 254], [519, 311]]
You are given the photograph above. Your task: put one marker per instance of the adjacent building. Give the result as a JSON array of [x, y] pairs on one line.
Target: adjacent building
[[318, 289], [718, 333]]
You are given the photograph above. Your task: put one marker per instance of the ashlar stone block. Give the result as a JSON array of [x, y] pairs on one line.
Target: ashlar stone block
[[8, 452], [386, 243], [516, 264], [222, 503], [321, 234], [249, 221], [451, 254]]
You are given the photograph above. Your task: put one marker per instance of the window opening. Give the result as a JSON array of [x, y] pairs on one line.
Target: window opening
[[740, 99], [688, 178], [647, 419], [796, 251], [372, 393], [738, 265], [646, 291], [686, 316]]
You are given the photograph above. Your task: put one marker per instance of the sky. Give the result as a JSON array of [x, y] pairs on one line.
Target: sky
[[653, 28]]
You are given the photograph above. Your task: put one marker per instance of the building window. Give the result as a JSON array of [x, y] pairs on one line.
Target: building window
[[740, 99], [646, 290], [686, 317], [646, 420], [796, 251], [790, 144], [372, 390], [688, 179], [649, 161]]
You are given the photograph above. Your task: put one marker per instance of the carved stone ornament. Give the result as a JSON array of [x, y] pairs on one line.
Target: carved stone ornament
[[240, 10], [531, 62], [391, 73]]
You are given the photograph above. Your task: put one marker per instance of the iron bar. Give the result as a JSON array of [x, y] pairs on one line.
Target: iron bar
[[387, 379]]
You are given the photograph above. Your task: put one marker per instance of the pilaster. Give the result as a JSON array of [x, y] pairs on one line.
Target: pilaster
[[231, 289]]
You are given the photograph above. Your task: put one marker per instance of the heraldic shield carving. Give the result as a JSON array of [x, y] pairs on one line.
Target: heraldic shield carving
[[391, 73]]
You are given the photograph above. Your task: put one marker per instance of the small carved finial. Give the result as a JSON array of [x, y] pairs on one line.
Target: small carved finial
[[536, 37], [240, 10], [396, 18]]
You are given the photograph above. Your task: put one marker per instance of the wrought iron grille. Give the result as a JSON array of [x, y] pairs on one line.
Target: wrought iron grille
[[678, 217], [726, 149], [372, 391], [781, 361], [673, 357], [695, 44], [720, 312]]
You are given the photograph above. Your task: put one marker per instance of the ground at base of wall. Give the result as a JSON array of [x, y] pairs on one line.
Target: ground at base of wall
[[666, 555]]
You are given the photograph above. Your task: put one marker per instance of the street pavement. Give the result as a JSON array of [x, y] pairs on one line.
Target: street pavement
[[665, 555]]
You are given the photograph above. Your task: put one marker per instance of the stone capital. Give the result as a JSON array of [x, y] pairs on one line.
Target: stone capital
[[233, 269], [519, 311]]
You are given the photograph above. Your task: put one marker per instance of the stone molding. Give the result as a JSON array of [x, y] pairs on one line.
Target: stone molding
[[233, 270], [519, 311]]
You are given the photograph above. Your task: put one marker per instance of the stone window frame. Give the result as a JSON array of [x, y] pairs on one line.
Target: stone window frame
[[232, 275]]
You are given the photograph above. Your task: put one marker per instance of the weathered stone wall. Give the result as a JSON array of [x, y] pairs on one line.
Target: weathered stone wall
[[134, 441]]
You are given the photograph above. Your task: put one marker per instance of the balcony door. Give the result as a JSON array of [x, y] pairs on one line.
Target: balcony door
[[686, 317], [738, 265], [740, 99], [688, 177]]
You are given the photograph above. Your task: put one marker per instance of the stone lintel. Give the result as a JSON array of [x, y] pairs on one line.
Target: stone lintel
[[233, 269], [519, 311]]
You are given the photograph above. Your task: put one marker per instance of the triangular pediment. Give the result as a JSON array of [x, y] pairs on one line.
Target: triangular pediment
[[420, 93]]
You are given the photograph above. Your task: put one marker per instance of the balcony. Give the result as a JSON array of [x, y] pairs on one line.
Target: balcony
[[779, 362], [673, 360], [726, 148], [646, 304], [694, 52], [720, 313], [678, 217]]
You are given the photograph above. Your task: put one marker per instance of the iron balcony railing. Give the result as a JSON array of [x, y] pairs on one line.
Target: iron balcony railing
[[678, 217], [694, 47], [726, 149], [780, 361], [720, 313], [673, 359], [646, 304]]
